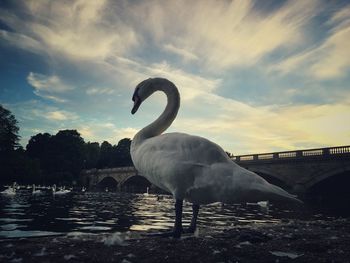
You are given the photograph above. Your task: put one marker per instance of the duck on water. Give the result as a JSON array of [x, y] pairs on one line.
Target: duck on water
[[191, 167]]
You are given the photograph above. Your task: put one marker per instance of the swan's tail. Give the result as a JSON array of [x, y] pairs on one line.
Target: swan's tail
[[230, 183]]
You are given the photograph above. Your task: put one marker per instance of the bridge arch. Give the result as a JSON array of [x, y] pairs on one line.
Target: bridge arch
[[107, 182], [135, 183], [321, 176]]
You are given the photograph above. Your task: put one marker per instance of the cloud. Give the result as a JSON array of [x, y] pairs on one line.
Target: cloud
[[328, 60], [243, 129], [84, 30], [49, 87], [185, 54], [52, 84], [60, 116], [100, 132], [99, 90], [226, 33], [20, 40]]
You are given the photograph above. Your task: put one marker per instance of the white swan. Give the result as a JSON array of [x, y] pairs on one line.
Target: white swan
[[36, 192], [61, 191], [191, 167], [10, 190]]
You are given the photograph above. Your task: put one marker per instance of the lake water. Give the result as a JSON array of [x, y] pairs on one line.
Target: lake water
[[25, 215]]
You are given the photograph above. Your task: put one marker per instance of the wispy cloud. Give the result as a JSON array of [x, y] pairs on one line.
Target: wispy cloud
[[225, 34], [330, 59], [99, 90], [60, 116], [49, 87], [185, 54], [77, 29]]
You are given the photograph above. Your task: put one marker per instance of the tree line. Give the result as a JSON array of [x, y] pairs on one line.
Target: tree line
[[58, 158]]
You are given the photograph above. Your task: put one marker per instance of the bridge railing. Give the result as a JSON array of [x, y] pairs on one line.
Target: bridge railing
[[300, 154]]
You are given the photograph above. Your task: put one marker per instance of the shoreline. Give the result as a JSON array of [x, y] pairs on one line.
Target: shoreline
[[292, 241]]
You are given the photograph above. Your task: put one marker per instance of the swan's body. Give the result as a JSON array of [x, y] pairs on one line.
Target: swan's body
[[61, 191], [10, 190], [191, 167], [36, 192]]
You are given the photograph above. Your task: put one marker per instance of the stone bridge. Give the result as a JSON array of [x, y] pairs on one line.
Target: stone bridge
[[296, 171]]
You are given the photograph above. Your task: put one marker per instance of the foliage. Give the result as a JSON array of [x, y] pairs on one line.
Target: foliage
[[57, 158], [8, 131]]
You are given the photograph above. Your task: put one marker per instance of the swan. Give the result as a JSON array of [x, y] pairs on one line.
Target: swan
[[191, 167], [10, 190], [36, 192], [61, 191]]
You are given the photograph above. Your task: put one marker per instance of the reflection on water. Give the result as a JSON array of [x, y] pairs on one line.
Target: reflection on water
[[25, 215]]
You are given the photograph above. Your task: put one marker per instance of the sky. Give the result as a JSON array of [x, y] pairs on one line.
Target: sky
[[254, 76]]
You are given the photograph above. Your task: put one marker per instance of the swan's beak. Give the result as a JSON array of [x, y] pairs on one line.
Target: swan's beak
[[137, 103]]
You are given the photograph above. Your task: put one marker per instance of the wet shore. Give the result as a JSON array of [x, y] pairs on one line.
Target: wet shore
[[290, 241]]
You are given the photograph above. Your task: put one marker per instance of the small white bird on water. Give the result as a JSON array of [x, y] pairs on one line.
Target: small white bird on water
[[36, 191], [10, 190], [191, 167]]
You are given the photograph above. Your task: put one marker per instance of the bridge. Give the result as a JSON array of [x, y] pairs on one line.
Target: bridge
[[297, 171]]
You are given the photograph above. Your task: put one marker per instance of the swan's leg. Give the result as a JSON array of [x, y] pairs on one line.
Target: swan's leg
[[193, 225], [178, 218], [177, 231]]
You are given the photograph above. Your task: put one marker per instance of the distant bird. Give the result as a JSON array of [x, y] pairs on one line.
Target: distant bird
[[191, 167], [61, 191], [147, 192], [10, 190], [36, 192]]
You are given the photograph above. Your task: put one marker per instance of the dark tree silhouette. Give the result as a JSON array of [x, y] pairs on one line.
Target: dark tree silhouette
[[8, 131], [92, 154], [122, 153], [106, 155], [14, 163]]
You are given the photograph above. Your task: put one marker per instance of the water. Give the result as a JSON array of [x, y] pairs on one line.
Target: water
[[25, 215]]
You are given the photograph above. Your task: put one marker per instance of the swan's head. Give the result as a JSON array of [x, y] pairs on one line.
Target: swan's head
[[144, 89]]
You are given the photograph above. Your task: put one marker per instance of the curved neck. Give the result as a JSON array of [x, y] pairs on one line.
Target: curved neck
[[165, 119]]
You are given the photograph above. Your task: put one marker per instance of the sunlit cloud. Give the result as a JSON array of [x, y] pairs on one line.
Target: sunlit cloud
[[93, 132], [60, 116], [75, 29], [225, 34], [246, 129]]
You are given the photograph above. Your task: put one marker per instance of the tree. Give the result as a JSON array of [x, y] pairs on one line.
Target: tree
[[106, 155], [8, 131], [122, 153], [68, 153], [92, 155], [40, 150], [61, 156], [8, 144]]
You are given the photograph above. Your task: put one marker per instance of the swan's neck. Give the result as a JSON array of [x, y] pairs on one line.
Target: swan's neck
[[165, 119]]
